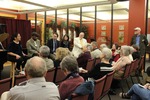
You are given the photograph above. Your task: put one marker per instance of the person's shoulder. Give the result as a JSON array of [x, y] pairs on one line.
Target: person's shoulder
[[18, 89], [29, 41], [51, 84], [77, 38], [50, 40]]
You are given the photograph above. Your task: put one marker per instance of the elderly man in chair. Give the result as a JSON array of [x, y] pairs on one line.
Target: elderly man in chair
[[35, 88]]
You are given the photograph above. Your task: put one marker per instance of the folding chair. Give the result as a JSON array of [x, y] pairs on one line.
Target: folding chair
[[50, 75], [107, 85], [99, 84], [5, 85]]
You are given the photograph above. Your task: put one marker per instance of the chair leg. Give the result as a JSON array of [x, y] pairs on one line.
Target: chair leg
[[132, 80], [109, 96], [127, 84], [12, 73], [138, 79], [121, 87]]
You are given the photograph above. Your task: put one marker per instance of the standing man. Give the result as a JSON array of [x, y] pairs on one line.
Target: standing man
[[36, 87], [33, 45], [140, 40], [79, 43]]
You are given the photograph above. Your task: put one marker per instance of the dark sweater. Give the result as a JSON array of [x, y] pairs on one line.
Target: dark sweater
[[83, 59], [67, 87], [96, 72], [15, 48]]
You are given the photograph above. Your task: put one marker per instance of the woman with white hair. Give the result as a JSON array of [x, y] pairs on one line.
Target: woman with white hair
[[70, 68], [101, 68], [122, 61]]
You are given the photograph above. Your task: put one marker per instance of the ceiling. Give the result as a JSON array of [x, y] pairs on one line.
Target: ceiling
[[88, 8]]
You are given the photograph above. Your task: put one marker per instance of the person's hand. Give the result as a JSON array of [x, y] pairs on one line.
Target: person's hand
[[146, 86], [143, 40], [24, 54], [17, 56], [81, 70]]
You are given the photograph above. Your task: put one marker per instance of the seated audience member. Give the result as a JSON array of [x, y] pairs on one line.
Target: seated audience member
[[89, 47], [44, 52], [36, 87], [69, 66], [15, 52], [33, 45], [101, 68], [65, 42], [136, 53], [115, 52], [103, 46], [137, 92], [60, 54], [84, 57], [122, 61], [95, 51], [147, 76]]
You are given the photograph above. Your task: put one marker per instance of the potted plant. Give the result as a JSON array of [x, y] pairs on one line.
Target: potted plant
[[63, 24]]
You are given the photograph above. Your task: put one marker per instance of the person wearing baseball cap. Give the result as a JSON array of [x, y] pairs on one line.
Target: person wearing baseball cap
[[33, 45], [140, 40]]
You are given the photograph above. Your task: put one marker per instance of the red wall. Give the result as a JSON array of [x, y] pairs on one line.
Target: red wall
[[108, 31], [137, 16]]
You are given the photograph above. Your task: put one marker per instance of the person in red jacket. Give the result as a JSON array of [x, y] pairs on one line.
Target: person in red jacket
[[70, 68]]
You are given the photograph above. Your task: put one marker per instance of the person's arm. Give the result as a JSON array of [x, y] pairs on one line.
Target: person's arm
[[145, 40], [76, 43], [131, 43], [63, 91], [30, 50], [13, 54], [6, 96]]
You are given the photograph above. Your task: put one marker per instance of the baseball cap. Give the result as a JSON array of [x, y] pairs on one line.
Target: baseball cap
[[35, 34], [137, 28]]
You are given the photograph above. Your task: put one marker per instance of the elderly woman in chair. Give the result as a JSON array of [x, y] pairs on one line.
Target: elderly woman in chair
[[69, 66]]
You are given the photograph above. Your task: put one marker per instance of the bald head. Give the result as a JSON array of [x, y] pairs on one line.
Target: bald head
[[81, 35], [35, 67]]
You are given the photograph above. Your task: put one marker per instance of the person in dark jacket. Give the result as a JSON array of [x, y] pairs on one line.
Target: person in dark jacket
[[65, 42], [84, 57]]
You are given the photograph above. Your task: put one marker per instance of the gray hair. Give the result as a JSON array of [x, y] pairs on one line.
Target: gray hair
[[103, 46], [125, 50], [44, 51], [94, 43], [36, 67], [70, 63], [89, 47], [107, 52]]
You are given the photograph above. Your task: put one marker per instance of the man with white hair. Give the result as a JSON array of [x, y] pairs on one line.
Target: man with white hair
[[79, 43], [36, 87], [140, 40]]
